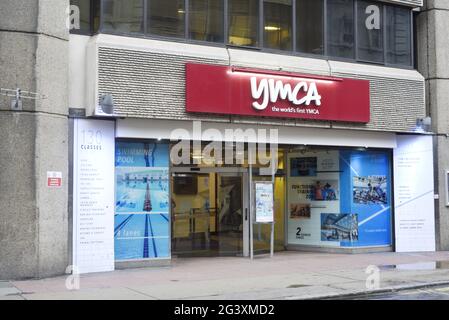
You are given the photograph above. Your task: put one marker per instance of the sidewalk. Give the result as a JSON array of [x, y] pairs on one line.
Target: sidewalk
[[289, 275]]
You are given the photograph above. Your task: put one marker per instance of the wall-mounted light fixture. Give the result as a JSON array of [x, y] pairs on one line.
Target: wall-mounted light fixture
[[424, 124]]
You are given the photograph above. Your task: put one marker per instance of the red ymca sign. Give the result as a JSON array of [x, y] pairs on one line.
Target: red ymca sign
[[253, 92]]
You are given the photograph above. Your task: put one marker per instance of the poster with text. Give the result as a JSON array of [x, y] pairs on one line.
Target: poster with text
[[365, 191], [313, 186], [142, 216], [264, 202]]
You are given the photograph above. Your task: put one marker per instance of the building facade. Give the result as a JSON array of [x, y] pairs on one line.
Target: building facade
[[432, 63], [184, 117]]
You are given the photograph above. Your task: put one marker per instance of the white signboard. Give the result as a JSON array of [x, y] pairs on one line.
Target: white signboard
[[93, 195], [264, 202], [414, 194]]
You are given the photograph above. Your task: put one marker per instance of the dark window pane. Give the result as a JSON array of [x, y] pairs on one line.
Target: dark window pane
[[96, 15], [167, 18], [398, 36], [206, 20], [243, 22], [370, 31], [84, 17], [278, 24], [309, 26], [123, 16], [340, 28]]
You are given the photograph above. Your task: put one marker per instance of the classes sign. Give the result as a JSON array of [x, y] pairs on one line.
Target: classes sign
[[264, 93]]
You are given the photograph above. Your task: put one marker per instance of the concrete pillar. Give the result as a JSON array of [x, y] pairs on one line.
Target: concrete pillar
[[433, 63], [33, 217]]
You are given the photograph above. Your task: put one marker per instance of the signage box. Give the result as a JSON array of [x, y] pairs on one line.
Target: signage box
[[263, 93]]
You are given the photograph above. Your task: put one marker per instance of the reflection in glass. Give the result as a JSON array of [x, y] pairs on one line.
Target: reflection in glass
[[243, 22], [370, 32], [84, 8], [206, 20], [123, 16], [207, 214], [398, 36], [166, 18], [309, 26], [340, 28], [278, 24]]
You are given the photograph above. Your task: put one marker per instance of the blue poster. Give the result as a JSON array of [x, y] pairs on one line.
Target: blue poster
[[142, 219], [365, 199]]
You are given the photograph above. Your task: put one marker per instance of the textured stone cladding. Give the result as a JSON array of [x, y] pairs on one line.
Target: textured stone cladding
[[152, 85]]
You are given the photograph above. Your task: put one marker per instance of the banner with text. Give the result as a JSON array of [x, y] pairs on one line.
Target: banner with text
[[93, 196], [414, 194]]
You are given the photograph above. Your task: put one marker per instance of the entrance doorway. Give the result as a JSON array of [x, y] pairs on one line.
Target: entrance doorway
[[209, 209]]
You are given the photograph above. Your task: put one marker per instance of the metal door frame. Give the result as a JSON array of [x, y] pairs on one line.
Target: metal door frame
[[245, 196]]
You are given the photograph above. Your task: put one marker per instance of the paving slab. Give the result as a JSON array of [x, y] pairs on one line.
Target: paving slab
[[289, 275]]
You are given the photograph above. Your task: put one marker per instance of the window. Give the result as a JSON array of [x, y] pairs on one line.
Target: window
[[166, 18], [84, 11], [278, 24], [370, 44], [399, 46], [89, 16], [123, 16], [340, 28], [309, 26], [243, 22], [357, 30], [206, 20]]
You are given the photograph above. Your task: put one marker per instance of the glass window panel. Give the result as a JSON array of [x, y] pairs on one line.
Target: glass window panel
[[309, 26], [206, 19], [84, 9], [278, 24], [123, 16], [398, 36], [167, 18], [96, 15], [244, 22], [370, 44], [340, 28]]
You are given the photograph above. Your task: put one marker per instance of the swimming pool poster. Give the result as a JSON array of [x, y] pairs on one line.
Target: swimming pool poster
[[142, 219]]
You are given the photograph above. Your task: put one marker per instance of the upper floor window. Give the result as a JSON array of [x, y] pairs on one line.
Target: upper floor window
[[206, 20], [399, 36], [277, 24], [123, 16], [370, 44], [88, 12], [243, 20], [309, 26], [358, 30], [340, 28], [166, 18]]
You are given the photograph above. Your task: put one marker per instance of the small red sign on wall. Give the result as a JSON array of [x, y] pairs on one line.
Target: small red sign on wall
[[54, 179], [264, 93]]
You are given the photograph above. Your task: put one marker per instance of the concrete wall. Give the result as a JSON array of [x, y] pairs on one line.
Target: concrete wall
[[433, 62], [33, 217]]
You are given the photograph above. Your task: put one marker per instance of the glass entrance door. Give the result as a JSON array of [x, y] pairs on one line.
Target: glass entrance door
[[208, 213]]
